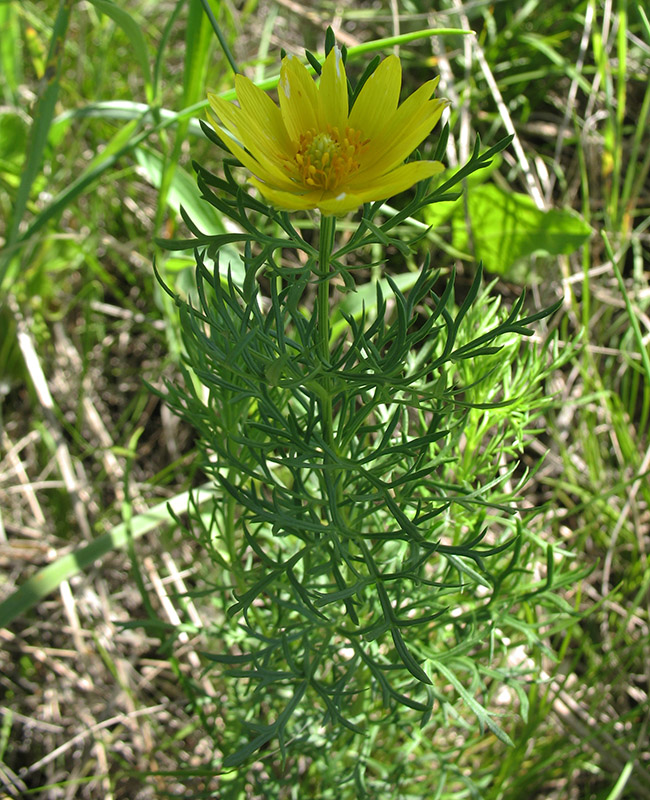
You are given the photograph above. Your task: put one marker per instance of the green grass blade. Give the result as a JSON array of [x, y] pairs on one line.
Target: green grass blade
[[162, 45], [645, 21], [197, 51], [11, 57], [220, 36], [632, 316], [125, 110], [134, 34], [49, 578], [43, 116], [89, 176]]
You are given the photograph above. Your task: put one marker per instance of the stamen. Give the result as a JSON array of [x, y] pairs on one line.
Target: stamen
[[326, 159]]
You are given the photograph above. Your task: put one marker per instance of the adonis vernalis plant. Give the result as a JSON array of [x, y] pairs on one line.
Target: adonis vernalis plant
[[366, 546]]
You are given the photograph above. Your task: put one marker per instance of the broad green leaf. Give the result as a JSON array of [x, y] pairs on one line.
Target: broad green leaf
[[507, 226], [438, 214]]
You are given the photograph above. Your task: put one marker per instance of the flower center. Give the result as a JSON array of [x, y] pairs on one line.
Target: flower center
[[327, 158]]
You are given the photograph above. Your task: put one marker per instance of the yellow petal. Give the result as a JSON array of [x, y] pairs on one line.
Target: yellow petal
[[258, 106], [409, 126], [264, 170], [396, 181], [298, 98], [288, 201], [377, 100], [248, 130], [333, 92], [226, 112], [340, 204]]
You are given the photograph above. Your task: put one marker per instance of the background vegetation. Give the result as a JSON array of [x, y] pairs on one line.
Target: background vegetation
[[97, 130]]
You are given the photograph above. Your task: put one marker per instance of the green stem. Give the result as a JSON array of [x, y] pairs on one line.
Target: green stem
[[326, 244]]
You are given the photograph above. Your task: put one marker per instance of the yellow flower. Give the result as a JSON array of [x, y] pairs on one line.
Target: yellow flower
[[314, 152]]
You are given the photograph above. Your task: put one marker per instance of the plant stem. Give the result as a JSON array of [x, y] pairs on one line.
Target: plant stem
[[326, 243]]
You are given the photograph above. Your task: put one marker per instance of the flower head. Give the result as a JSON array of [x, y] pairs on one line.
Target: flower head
[[315, 152]]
